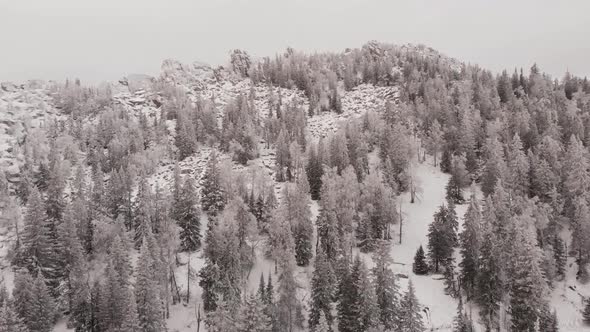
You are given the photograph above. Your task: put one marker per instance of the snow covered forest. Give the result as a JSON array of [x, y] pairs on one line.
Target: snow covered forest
[[383, 188]]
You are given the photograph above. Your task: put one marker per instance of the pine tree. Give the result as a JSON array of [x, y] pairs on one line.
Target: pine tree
[[559, 255], [130, 320], [36, 251], [528, 286], [441, 236], [420, 267], [209, 277], [322, 291], [222, 319], [519, 168], [586, 312], [188, 217], [10, 321], [495, 166], [462, 322], [470, 239], [149, 307], [322, 325], [112, 301], [42, 315], [212, 196], [367, 300], [386, 289], [24, 296], [348, 312], [288, 305], [143, 212], [410, 312], [489, 283], [253, 317]]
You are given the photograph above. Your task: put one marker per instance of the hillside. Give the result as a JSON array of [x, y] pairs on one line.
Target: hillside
[[203, 179]]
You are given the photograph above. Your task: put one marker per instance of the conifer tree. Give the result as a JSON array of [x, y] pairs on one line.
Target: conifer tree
[[470, 239], [188, 218], [420, 267], [130, 318], [367, 300], [42, 315], [149, 306], [462, 322], [559, 255], [528, 285], [348, 312], [289, 309], [210, 283], [322, 325], [36, 251], [441, 237], [143, 212], [410, 312], [10, 321], [495, 166], [322, 291], [489, 283], [253, 317], [386, 289], [212, 196]]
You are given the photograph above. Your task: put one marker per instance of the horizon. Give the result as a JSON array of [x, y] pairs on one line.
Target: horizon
[[109, 40]]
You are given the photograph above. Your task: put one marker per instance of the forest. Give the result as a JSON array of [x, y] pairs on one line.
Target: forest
[[121, 212]]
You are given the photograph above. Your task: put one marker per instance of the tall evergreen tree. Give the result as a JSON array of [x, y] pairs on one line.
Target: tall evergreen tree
[[253, 318], [420, 266], [212, 197], [410, 312], [386, 289], [10, 321], [149, 306], [322, 291], [470, 239], [188, 217]]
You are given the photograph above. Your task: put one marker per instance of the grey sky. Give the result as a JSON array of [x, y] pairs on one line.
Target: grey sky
[[106, 39]]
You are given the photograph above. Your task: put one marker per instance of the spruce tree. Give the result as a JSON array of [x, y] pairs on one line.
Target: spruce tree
[[149, 306], [253, 317], [348, 311], [209, 281], [37, 248], [470, 241], [322, 290], [420, 267], [315, 171], [10, 321], [386, 289], [410, 312], [212, 196], [188, 217], [441, 236]]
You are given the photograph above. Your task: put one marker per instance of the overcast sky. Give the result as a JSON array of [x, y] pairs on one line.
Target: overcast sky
[[106, 39]]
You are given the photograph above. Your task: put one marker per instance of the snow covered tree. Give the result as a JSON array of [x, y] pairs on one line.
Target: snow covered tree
[[495, 166], [10, 321], [528, 285], [223, 319], [518, 167], [386, 289], [289, 308], [410, 312], [322, 291], [420, 266], [462, 322], [130, 319], [435, 139], [37, 247], [470, 240], [209, 281], [296, 212], [489, 283], [149, 306], [33, 303], [188, 218], [143, 212], [212, 195], [253, 318], [441, 237], [315, 171]]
